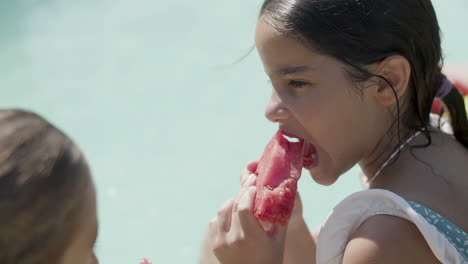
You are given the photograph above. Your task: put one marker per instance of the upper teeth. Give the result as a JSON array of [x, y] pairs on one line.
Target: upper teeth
[[291, 139]]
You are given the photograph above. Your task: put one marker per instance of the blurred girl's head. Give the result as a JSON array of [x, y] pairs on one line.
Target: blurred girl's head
[[47, 197]]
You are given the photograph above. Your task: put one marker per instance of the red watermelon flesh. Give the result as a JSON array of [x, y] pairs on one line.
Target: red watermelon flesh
[[278, 171]]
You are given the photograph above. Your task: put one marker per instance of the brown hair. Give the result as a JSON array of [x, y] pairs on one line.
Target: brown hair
[[455, 105], [42, 179]]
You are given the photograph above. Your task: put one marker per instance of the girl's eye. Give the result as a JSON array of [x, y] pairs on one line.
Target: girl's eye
[[297, 84]]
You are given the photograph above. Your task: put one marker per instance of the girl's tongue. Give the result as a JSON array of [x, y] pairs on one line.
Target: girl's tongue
[[310, 156]]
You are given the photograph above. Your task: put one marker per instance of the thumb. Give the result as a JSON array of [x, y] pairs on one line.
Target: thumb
[[247, 220]]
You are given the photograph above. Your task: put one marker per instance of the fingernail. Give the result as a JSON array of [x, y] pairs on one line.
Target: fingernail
[[251, 179]]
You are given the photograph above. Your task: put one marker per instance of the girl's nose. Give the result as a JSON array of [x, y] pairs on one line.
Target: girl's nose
[[276, 111]]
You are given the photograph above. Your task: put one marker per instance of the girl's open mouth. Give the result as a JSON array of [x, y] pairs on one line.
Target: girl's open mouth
[[310, 156], [309, 152]]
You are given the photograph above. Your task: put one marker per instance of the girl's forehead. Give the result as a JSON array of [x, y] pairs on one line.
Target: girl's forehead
[[282, 58], [271, 43], [264, 30]]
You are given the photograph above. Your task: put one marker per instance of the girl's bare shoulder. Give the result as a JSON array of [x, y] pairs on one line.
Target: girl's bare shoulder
[[387, 239]]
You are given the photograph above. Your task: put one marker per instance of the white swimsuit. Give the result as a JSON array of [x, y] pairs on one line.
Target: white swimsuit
[[448, 242]]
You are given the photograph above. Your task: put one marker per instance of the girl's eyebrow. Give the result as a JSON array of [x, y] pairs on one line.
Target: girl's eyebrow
[[294, 69]]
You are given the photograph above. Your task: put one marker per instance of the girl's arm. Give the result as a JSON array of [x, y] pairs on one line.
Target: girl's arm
[[384, 239], [300, 244], [206, 253]]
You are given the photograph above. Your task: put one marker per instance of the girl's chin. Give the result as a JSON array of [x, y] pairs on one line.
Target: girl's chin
[[322, 178]]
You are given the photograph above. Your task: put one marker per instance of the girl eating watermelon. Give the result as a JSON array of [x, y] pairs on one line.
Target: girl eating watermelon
[[354, 82]]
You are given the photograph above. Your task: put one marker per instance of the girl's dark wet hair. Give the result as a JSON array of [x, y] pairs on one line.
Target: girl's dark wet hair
[[43, 178], [363, 32]]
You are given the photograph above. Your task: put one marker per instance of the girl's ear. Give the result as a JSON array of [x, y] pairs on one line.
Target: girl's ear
[[396, 70]]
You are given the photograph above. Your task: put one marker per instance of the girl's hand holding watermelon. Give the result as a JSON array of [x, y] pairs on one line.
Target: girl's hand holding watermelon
[[237, 236], [300, 242], [298, 238]]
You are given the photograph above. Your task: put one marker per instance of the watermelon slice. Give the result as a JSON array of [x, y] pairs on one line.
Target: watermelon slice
[[278, 171]]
